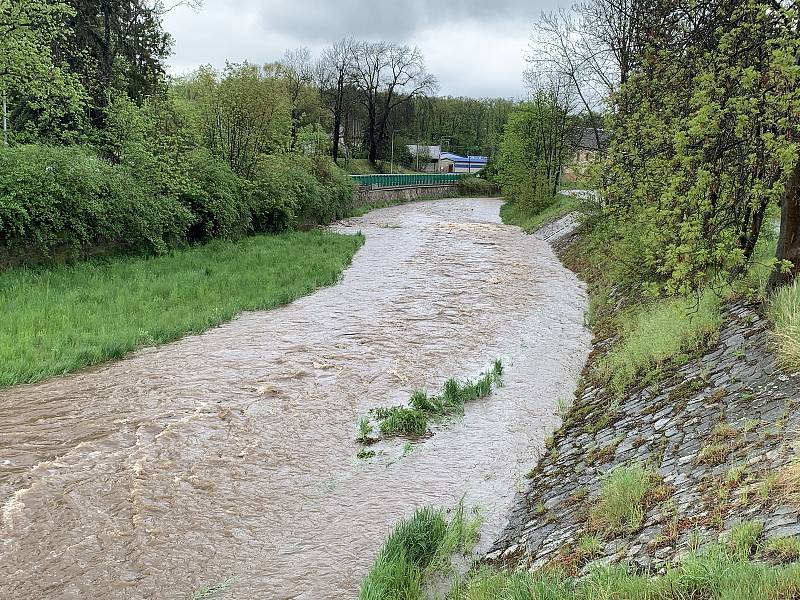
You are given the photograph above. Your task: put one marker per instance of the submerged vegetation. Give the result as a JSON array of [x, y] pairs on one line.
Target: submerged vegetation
[[412, 421], [418, 549]]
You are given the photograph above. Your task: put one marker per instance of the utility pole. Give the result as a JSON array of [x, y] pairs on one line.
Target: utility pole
[[391, 161], [5, 119]]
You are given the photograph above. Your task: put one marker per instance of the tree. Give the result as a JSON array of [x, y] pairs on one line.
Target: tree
[[387, 76], [46, 100], [333, 77], [243, 113], [296, 70], [709, 141], [534, 145], [115, 46]]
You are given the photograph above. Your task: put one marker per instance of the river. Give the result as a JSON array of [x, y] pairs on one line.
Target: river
[[230, 456]]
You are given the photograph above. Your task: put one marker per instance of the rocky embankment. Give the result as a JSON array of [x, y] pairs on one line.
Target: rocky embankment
[[719, 434]]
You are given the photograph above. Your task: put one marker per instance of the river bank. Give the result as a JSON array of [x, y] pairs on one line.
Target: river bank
[[713, 442]]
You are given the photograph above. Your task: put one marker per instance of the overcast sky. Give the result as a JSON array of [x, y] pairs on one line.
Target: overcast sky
[[475, 47]]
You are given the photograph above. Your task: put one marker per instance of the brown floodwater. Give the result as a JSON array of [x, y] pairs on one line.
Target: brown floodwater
[[230, 456]]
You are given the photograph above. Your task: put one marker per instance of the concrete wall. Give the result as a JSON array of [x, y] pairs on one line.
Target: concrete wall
[[365, 196]]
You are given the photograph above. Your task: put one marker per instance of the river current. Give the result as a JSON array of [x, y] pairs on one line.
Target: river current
[[228, 459]]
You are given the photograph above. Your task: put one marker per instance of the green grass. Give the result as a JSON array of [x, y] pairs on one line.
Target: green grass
[[418, 548], [413, 421], [404, 421], [513, 214], [59, 320], [655, 336], [785, 549], [716, 574], [784, 310], [620, 508], [743, 538]]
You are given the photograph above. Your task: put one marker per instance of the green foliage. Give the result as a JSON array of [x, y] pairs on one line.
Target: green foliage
[[474, 187], [217, 197], [705, 140], [65, 200], [655, 336], [292, 190], [532, 152], [59, 320], [244, 113], [620, 507], [46, 101], [417, 549]]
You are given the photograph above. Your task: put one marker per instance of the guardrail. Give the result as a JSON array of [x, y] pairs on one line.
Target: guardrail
[[399, 180]]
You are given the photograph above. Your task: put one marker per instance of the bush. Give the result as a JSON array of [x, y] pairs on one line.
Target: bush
[[217, 197], [65, 200], [476, 187], [292, 190]]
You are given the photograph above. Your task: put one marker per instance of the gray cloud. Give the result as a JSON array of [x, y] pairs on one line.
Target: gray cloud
[[475, 47]]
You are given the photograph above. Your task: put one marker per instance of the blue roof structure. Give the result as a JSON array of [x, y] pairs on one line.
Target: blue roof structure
[[465, 160]]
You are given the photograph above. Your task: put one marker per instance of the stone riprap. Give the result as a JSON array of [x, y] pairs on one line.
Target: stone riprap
[[717, 433]]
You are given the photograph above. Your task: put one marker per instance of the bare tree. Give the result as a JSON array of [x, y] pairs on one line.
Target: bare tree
[[387, 76], [333, 77], [296, 69], [558, 48]]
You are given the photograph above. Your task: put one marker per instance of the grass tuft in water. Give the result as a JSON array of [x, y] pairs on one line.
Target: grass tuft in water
[[417, 549], [413, 421]]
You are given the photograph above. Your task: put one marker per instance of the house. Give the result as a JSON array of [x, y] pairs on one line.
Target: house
[[585, 151], [433, 160], [428, 157], [455, 163]]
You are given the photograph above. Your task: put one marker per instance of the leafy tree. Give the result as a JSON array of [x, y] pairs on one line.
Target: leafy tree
[[113, 47], [709, 142], [243, 113], [533, 149], [45, 100]]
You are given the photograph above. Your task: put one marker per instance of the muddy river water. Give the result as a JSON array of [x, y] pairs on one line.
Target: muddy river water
[[230, 456]]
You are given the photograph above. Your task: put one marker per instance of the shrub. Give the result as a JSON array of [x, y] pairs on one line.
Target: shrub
[[65, 200], [293, 190], [476, 187], [217, 197]]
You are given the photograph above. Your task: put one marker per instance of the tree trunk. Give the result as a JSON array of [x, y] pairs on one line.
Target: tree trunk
[[789, 237], [337, 126]]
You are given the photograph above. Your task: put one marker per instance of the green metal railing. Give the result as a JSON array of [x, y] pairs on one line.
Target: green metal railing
[[398, 180]]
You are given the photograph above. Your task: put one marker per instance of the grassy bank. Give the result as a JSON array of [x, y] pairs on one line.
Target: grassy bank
[[721, 573], [513, 214], [59, 320]]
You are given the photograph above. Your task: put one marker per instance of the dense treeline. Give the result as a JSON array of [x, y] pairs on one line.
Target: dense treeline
[[703, 103]]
